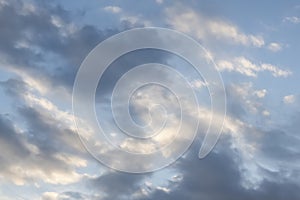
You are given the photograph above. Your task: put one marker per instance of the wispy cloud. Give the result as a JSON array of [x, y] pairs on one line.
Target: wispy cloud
[[294, 19], [274, 47], [189, 21], [248, 68], [113, 9]]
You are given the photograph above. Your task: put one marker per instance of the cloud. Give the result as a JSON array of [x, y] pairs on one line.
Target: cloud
[[41, 145], [202, 27], [113, 9], [26, 162], [45, 147], [123, 184], [294, 19], [275, 47], [266, 113], [159, 1], [289, 99], [49, 130], [69, 196], [248, 163], [30, 41], [248, 68], [212, 179], [261, 93], [244, 99], [49, 196]]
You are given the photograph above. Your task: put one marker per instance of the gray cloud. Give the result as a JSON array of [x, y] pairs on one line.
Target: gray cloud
[[23, 162], [29, 39], [117, 185], [38, 146], [218, 177]]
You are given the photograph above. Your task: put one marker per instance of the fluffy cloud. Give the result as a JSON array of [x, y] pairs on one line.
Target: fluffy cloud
[[289, 99]]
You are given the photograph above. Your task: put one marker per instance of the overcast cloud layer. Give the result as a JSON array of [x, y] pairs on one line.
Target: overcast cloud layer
[[255, 46]]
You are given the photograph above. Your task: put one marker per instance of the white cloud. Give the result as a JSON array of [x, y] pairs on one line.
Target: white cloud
[[276, 72], [248, 68], [57, 21], [202, 27], [289, 99], [113, 9], [198, 84], [274, 47], [266, 113], [294, 20], [164, 189], [65, 29], [28, 8], [260, 93], [240, 65], [50, 196], [69, 195], [248, 97]]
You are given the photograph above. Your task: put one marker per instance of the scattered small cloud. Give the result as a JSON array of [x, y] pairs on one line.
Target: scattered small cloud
[[113, 9], [274, 47], [245, 98], [260, 93], [266, 113], [198, 84], [294, 20], [289, 99]]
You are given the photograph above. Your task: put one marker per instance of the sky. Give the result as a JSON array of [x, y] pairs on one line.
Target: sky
[[254, 46]]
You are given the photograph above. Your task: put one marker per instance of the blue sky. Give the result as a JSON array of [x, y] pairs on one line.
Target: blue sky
[[255, 46]]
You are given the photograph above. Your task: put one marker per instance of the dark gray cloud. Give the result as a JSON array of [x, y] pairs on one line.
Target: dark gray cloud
[[33, 27], [218, 177], [221, 175], [117, 185], [12, 142]]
